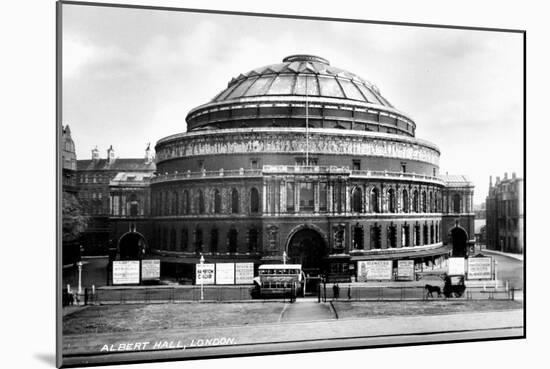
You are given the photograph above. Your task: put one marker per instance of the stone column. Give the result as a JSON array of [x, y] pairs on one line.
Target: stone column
[[316, 196], [264, 197], [296, 195], [282, 197], [347, 197], [330, 208]]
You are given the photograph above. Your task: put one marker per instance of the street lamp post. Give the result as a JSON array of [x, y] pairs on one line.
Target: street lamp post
[[79, 264], [202, 276]]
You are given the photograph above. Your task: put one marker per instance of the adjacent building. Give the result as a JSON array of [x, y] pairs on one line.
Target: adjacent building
[[505, 217]]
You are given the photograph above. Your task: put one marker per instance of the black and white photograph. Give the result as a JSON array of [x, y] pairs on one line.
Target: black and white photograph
[[235, 184]]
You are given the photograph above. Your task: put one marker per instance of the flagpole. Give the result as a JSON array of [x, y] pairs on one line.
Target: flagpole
[[307, 126]]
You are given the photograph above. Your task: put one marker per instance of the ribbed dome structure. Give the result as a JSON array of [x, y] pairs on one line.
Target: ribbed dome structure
[[289, 78], [277, 95]]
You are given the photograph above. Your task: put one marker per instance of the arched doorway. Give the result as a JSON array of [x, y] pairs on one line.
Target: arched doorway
[[131, 246], [459, 239], [307, 247]]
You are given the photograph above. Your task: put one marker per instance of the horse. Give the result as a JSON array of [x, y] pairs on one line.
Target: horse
[[431, 289]]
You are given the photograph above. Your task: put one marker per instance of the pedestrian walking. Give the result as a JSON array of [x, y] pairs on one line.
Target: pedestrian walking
[[336, 291]]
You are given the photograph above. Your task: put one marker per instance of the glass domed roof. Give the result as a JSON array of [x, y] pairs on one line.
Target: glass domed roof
[[302, 75]]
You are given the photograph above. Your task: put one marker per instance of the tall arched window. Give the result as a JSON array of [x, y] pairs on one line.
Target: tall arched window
[[358, 236], [254, 200], [357, 200], [186, 203], [424, 203], [374, 206], [415, 201], [391, 200], [173, 239], [232, 240], [183, 240], [214, 240], [200, 201], [425, 235], [431, 207], [217, 202], [405, 201], [134, 205], [252, 240], [375, 237], [417, 235], [198, 240], [234, 201], [176, 200], [405, 235], [392, 235], [456, 203], [432, 233]]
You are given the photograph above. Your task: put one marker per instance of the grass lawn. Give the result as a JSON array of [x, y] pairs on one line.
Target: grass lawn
[[142, 317], [364, 309]]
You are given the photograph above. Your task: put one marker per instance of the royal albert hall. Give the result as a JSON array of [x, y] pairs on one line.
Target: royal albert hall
[[306, 162]]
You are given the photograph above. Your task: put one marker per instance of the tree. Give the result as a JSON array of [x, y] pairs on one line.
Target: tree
[[74, 223]]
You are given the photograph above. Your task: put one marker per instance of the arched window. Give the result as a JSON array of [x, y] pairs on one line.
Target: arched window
[[405, 235], [176, 200], [375, 237], [214, 240], [405, 201], [217, 202], [374, 206], [232, 240], [254, 200], [424, 203], [252, 240], [134, 205], [392, 235], [425, 234], [358, 236], [432, 233], [186, 203], [234, 201], [391, 200], [357, 200], [456, 203], [183, 240], [417, 235], [200, 200], [431, 203], [198, 240], [173, 239], [415, 201]]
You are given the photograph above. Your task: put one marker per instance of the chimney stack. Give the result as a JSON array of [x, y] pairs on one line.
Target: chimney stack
[[110, 154], [505, 175], [95, 154], [513, 175]]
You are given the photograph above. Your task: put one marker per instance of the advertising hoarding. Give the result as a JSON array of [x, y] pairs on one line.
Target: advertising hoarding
[[456, 266], [480, 268], [374, 270], [126, 272], [405, 270], [225, 273], [150, 270], [205, 273], [244, 273]]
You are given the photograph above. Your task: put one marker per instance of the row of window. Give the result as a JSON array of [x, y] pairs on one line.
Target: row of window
[[171, 203], [421, 202], [167, 239], [421, 235]]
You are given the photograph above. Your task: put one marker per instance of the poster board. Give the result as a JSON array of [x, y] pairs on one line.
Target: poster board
[[150, 270], [244, 273], [205, 273], [225, 273], [369, 270], [125, 272], [405, 270], [456, 266], [480, 268]]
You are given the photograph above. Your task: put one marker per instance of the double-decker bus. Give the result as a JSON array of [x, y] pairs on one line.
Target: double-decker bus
[[280, 280]]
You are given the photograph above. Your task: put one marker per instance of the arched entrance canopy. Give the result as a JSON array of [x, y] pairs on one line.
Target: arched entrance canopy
[[459, 240], [307, 247], [131, 246]]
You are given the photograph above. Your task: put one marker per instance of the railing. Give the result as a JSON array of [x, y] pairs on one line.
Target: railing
[[176, 176], [295, 169]]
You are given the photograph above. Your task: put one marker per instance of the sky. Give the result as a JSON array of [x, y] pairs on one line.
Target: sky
[[130, 77]]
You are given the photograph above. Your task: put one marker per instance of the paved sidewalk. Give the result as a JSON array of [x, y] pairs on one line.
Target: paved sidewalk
[[306, 310], [182, 339]]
